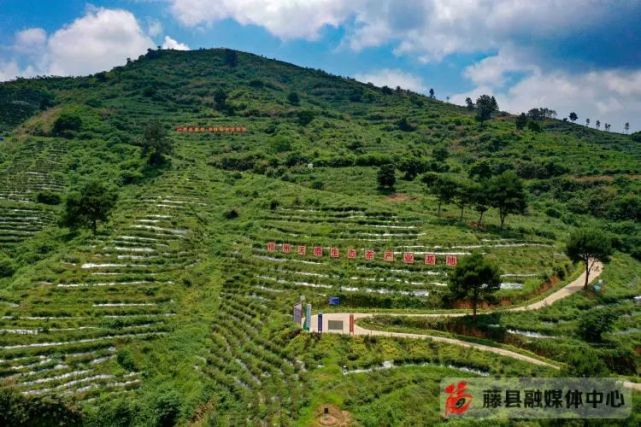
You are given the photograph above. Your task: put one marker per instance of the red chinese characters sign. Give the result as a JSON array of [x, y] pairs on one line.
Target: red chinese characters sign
[[318, 251], [352, 253], [408, 258], [334, 252], [302, 250], [451, 260], [271, 246], [430, 259]]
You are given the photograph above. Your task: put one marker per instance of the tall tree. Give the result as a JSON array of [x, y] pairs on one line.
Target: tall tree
[[573, 116], [589, 245], [155, 143], [521, 121], [507, 194], [432, 93], [231, 58], [462, 195], [485, 106], [626, 127], [587, 122], [598, 124], [386, 176], [220, 100], [440, 186], [475, 278], [293, 98], [469, 104], [480, 198], [91, 205]]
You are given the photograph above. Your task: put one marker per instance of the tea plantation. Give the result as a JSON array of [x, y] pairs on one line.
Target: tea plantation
[[178, 310]]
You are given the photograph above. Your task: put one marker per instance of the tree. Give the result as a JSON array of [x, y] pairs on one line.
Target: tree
[[589, 246], [462, 196], [440, 153], [405, 125], [506, 193], [7, 266], [607, 127], [293, 98], [480, 198], [476, 278], [305, 117], [481, 170], [412, 167], [220, 100], [386, 176], [440, 186], [231, 58], [155, 143], [598, 124], [21, 411], [587, 122], [92, 204], [521, 121], [485, 106], [626, 127], [65, 123], [431, 93], [573, 116], [595, 323], [534, 126], [469, 104]]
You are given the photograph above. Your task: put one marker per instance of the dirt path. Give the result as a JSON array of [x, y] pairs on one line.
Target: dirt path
[[573, 287]]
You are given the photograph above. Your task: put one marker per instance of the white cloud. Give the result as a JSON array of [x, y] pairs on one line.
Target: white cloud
[[392, 78], [98, 41], [170, 43], [611, 96], [154, 28], [286, 19], [30, 41]]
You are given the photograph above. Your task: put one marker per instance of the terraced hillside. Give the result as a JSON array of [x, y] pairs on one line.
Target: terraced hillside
[[179, 309]]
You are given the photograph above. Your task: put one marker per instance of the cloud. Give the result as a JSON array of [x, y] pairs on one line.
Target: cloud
[[392, 78], [30, 41], [612, 96], [154, 28], [98, 41], [286, 19], [170, 43]]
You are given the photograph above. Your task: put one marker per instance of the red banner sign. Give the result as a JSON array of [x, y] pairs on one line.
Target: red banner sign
[[212, 129]]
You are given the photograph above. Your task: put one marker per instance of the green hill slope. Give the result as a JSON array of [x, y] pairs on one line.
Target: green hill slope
[[177, 312]]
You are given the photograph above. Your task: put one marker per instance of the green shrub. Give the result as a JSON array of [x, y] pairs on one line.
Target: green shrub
[[48, 198], [126, 359], [66, 123], [7, 266]]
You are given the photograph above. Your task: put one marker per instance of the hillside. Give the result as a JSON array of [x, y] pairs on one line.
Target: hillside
[[176, 311]]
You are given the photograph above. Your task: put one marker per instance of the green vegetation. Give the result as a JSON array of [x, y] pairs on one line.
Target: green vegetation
[[589, 246], [175, 312], [476, 279], [92, 204]]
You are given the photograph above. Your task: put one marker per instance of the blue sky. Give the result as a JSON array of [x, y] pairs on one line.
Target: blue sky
[[570, 55]]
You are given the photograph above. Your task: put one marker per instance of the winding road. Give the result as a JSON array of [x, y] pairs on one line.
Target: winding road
[[340, 323]]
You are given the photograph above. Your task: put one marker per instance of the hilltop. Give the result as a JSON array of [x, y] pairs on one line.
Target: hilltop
[[176, 311]]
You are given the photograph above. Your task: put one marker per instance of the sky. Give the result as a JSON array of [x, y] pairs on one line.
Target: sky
[[580, 56]]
